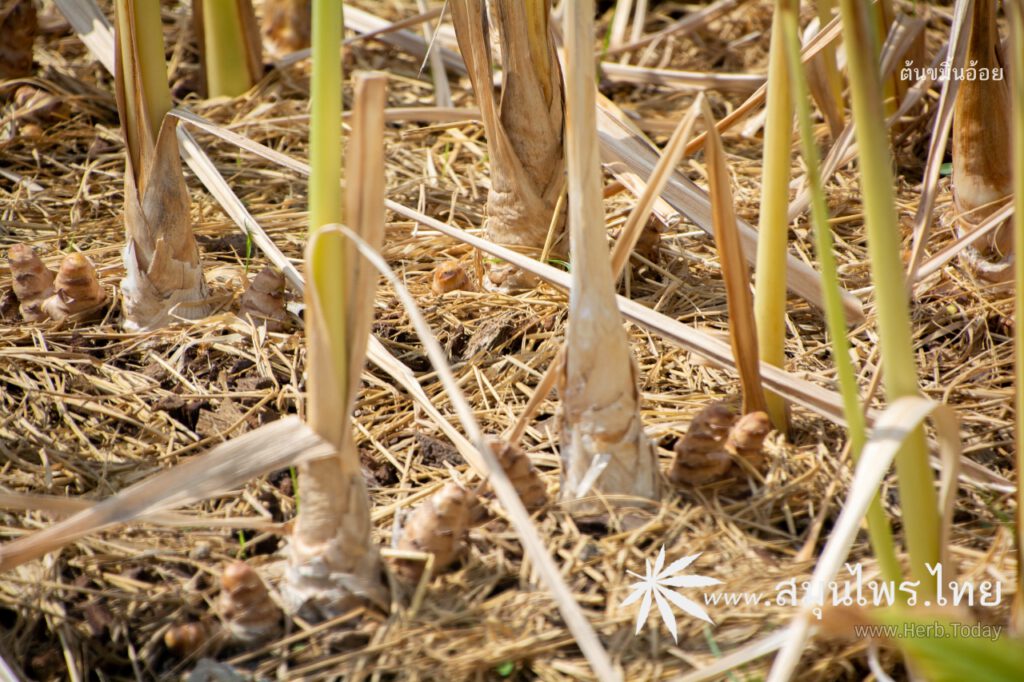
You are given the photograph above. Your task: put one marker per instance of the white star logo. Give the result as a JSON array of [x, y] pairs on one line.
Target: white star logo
[[655, 585]]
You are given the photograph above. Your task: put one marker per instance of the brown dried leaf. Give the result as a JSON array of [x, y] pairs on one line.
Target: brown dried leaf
[[742, 328]]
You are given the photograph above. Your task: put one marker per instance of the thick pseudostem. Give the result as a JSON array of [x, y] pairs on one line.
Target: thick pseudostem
[[438, 527], [981, 150], [333, 564], [605, 453], [163, 275], [718, 442], [524, 126]]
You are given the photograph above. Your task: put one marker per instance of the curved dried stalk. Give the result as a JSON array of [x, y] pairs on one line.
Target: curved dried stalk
[[524, 126], [982, 181], [163, 275], [604, 448]]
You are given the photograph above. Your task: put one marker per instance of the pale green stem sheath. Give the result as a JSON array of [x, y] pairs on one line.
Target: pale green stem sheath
[[773, 226], [1016, 71], [879, 529], [227, 72], [150, 37], [325, 198], [899, 369]]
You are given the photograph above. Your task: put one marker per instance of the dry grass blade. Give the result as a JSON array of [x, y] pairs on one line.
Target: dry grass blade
[[604, 448], [442, 89], [58, 506], [504, 489], [92, 28], [523, 125], [814, 47], [742, 329], [680, 80], [896, 424], [280, 444], [361, 21]]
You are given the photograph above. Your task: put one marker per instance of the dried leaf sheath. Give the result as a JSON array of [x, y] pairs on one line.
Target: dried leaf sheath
[[524, 125], [981, 149], [163, 275], [604, 448]]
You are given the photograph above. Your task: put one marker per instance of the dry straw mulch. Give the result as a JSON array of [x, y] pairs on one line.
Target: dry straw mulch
[[87, 410]]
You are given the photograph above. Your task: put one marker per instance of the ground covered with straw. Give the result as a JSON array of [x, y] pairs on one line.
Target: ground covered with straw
[[87, 410]]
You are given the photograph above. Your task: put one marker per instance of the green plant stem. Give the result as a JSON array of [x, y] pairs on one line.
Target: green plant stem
[[879, 529], [899, 369], [773, 225], [1015, 12], [227, 71], [144, 17], [325, 197]]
